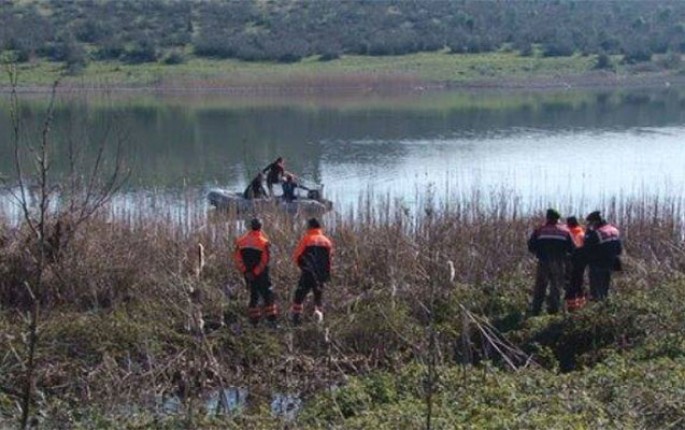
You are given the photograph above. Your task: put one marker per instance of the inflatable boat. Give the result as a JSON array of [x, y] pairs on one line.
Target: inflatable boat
[[312, 203]]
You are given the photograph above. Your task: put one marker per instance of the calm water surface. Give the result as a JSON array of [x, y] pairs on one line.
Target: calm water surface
[[546, 148]]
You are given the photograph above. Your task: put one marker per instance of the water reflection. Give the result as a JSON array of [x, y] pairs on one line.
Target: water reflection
[[539, 145], [286, 406], [227, 400], [232, 400]]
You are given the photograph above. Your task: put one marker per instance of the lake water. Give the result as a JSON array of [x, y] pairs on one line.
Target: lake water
[[567, 147]]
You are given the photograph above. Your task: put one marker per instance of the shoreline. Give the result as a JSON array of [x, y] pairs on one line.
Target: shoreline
[[356, 84]]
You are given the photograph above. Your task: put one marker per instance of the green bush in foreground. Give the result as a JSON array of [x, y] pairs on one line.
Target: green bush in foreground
[[619, 393], [629, 371]]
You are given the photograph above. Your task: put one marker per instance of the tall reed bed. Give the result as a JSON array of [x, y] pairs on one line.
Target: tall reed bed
[[133, 314]]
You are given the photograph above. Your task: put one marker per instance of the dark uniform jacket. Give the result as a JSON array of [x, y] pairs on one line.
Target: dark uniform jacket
[[274, 172], [551, 241], [603, 245], [255, 190]]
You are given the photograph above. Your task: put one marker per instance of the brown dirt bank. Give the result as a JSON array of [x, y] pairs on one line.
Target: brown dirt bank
[[592, 79], [358, 84]]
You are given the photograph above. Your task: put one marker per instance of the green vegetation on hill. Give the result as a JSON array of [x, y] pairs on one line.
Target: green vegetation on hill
[[354, 71], [289, 31]]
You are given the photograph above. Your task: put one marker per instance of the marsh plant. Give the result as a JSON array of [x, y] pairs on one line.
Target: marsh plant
[[425, 323]]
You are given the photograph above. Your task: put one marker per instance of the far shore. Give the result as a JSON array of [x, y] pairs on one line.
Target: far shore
[[348, 76], [365, 84]]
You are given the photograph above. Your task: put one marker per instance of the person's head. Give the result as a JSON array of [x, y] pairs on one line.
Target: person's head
[[260, 176], [288, 177], [279, 160], [313, 223], [594, 218], [572, 221], [552, 215], [255, 224]]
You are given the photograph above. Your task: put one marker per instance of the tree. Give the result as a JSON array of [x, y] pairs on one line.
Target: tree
[[603, 62], [52, 209]]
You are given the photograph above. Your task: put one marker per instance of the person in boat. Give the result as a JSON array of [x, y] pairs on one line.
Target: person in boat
[[274, 173], [289, 186], [256, 188]]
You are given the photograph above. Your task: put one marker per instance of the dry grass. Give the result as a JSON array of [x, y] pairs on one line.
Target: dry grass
[[122, 300]]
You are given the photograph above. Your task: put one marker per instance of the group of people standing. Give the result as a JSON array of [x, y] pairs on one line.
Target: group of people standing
[[274, 173], [565, 251], [313, 257]]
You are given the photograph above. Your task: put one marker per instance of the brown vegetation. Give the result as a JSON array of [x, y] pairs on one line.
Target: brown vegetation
[[126, 318]]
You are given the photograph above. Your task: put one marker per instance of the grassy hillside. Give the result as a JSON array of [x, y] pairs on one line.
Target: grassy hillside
[[360, 73]]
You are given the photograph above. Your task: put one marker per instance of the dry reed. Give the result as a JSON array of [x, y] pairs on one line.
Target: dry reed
[[123, 299]]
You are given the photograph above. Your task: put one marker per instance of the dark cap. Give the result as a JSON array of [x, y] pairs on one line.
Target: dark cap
[[552, 215], [594, 216], [313, 223], [255, 224]]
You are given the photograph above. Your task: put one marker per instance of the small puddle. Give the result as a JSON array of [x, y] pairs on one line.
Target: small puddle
[[232, 400], [227, 400], [286, 406]]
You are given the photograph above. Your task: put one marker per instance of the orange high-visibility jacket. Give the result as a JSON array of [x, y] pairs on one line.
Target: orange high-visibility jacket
[[252, 252], [578, 235], [313, 254]]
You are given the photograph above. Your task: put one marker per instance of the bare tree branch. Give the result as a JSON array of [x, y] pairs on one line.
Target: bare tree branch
[[21, 198], [40, 216], [44, 163]]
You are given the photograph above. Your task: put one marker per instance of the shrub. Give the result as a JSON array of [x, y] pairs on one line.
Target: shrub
[[329, 56], [672, 60], [113, 49], [526, 50], [174, 57], [140, 52], [603, 62], [637, 54], [557, 49]]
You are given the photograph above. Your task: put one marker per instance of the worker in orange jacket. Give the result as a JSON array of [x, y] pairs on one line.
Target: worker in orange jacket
[[575, 296], [313, 257], [252, 259]]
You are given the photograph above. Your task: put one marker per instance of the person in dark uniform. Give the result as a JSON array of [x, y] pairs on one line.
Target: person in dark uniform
[[552, 245], [602, 248]]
